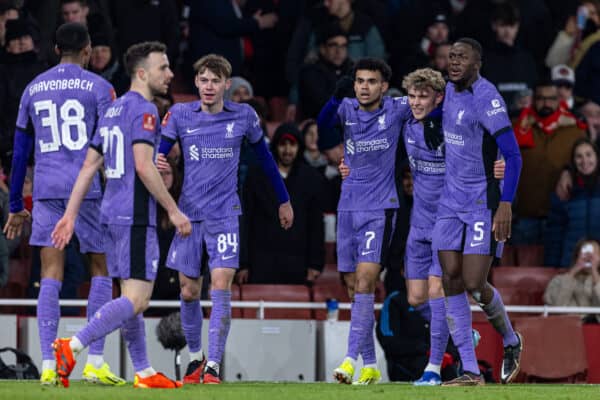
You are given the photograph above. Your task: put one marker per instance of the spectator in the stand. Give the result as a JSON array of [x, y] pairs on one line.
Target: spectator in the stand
[[546, 134], [240, 90], [590, 111], [317, 80], [312, 154], [439, 61], [79, 11], [105, 63], [437, 33], [583, 22], [586, 64], [364, 39], [268, 254], [508, 66], [8, 10], [141, 21], [580, 286], [564, 79], [217, 26], [579, 216], [20, 67]]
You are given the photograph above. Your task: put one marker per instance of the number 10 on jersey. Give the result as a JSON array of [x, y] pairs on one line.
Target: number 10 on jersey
[[113, 149]]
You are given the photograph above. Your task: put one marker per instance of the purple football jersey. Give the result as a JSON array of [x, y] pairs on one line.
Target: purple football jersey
[[210, 148], [428, 169], [60, 108], [370, 145], [129, 120], [471, 121]]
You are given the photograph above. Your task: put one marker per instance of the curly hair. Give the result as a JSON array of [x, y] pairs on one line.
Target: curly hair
[[424, 78]]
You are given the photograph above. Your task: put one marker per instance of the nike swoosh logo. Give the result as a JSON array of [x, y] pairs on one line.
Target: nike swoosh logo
[[192, 130], [476, 244], [348, 123], [364, 253], [227, 257], [411, 141]]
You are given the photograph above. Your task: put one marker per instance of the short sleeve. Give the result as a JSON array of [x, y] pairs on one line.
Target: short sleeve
[[23, 121], [254, 131], [144, 126], [401, 108], [97, 142], [105, 96], [169, 123], [492, 112]]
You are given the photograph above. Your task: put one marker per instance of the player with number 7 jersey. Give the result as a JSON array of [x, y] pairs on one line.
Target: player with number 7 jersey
[[57, 116]]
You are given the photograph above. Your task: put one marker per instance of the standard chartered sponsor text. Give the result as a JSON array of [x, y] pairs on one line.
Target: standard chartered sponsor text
[[217, 152], [372, 145]]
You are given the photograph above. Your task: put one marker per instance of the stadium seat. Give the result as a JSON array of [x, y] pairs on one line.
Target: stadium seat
[[297, 293], [490, 346], [323, 291], [235, 296], [278, 108], [529, 280], [330, 275], [554, 349], [330, 253], [529, 255], [508, 256]]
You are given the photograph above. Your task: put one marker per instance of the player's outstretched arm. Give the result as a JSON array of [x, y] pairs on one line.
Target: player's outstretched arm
[[61, 235], [143, 155], [510, 151], [265, 158], [17, 216]]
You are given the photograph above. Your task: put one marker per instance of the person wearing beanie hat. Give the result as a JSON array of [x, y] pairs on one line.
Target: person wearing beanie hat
[[240, 90], [563, 77], [104, 62], [20, 65], [295, 256]]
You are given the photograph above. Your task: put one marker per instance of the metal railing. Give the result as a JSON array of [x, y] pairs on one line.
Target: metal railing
[[261, 305]]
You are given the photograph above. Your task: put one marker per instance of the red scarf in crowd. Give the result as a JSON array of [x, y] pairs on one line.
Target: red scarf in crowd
[[529, 118]]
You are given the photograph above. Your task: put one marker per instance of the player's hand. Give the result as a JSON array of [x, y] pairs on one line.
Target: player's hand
[[242, 276], [344, 169], [181, 222], [161, 162], [286, 215], [61, 235], [564, 185], [502, 221], [312, 275], [14, 224], [499, 168], [344, 87]]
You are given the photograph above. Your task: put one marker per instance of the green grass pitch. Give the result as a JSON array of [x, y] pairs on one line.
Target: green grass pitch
[[17, 390]]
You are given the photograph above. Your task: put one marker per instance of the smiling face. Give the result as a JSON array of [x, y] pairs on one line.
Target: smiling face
[[585, 159], [422, 101], [287, 151], [369, 87]]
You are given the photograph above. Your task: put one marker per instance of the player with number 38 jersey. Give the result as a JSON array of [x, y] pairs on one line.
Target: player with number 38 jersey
[[57, 116], [60, 107]]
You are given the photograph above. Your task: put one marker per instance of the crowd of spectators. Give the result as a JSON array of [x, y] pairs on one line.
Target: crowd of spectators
[[543, 55]]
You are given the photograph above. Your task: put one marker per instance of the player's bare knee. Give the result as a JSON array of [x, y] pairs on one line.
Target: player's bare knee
[[364, 285], [435, 289], [416, 299], [190, 291], [98, 265]]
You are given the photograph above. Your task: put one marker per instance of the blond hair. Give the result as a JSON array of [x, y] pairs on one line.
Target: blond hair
[[424, 78], [215, 63]]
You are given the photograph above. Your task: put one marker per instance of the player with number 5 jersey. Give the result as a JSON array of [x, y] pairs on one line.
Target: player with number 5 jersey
[[210, 133], [57, 116]]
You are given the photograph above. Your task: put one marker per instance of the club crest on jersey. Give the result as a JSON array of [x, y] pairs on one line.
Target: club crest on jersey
[[496, 103], [460, 117], [149, 122], [381, 122], [194, 153], [229, 130]]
